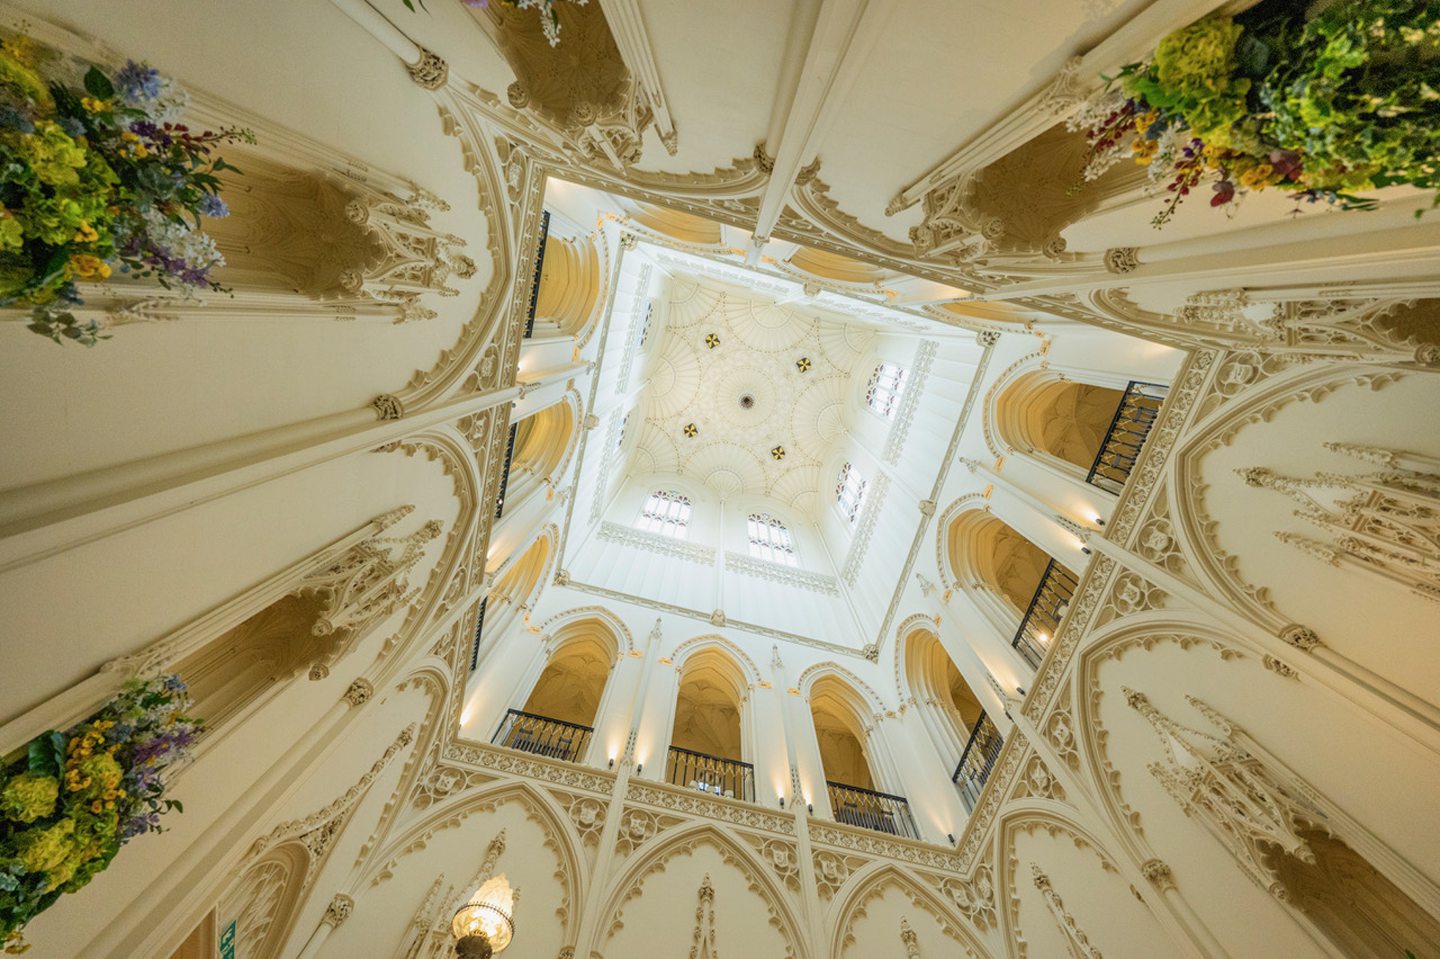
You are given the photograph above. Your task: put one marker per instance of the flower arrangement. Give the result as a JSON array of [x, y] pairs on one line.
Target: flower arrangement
[[1322, 103], [549, 19], [73, 799], [99, 175]]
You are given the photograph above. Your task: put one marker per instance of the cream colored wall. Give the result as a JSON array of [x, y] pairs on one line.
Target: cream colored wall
[[376, 780]]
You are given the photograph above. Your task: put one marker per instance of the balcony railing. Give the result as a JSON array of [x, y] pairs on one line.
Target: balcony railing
[[869, 809], [720, 777], [505, 473], [1123, 441], [539, 268], [1047, 607], [542, 736], [479, 629], [981, 751]]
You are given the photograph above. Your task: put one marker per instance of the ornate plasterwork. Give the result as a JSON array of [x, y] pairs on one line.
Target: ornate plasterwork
[[1229, 790], [782, 857], [317, 831], [910, 401], [832, 870], [745, 395], [853, 839], [973, 898], [694, 802], [653, 860], [865, 529], [533, 767], [1075, 939], [1385, 523], [655, 543], [780, 573]]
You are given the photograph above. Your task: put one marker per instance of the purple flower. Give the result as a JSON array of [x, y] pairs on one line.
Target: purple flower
[[137, 82], [211, 205]]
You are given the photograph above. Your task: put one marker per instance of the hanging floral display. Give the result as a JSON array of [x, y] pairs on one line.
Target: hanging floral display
[[73, 799], [99, 177], [1322, 101]]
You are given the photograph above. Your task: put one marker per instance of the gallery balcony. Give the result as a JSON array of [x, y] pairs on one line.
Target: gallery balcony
[[729, 778], [543, 736], [977, 761], [1134, 418], [1042, 618], [869, 809]]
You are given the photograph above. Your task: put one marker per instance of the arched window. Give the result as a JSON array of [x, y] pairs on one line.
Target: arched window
[[850, 492], [666, 513], [624, 425], [886, 385], [769, 539]]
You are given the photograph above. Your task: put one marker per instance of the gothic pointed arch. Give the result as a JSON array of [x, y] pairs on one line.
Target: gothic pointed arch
[[655, 855], [460, 800], [872, 881]]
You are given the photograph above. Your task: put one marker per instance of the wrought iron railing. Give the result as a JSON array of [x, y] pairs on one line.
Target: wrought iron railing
[[872, 810], [542, 736], [539, 267], [721, 777], [505, 473], [1133, 420], [479, 629], [981, 751], [1047, 607]]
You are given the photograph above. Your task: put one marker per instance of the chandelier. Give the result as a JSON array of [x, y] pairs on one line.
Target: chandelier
[[482, 927]]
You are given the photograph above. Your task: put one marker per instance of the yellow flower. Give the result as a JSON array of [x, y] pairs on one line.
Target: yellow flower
[[88, 267], [94, 105], [86, 234], [1257, 177]]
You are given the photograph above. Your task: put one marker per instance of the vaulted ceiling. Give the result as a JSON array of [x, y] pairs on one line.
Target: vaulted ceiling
[[760, 384]]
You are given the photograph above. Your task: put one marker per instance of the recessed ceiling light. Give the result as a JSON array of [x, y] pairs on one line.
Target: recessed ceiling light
[[803, 364], [747, 401], [691, 430], [711, 340], [778, 453]]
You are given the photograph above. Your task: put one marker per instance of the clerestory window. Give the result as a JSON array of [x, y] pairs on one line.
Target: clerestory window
[[666, 512], [850, 492], [770, 539], [887, 383]]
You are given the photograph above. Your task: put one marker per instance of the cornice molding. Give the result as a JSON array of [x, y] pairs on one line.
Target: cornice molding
[[780, 573], [655, 543]]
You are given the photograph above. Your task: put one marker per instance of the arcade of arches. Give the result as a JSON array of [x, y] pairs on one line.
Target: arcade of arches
[[1103, 626]]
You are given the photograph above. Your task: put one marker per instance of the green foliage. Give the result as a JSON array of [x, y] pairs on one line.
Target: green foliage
[[98, 178], [1324, 101], [72, 799]]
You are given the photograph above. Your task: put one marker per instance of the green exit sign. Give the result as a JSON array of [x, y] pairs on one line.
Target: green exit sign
[[227, 941]]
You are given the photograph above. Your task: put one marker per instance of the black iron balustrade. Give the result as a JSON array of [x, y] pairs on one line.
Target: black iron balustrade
[[720, 777], [1047, 607], [479, 628], [869, 809], [505, 473], [539, 267], [981, 751], [542, 736], [1133, 420]]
